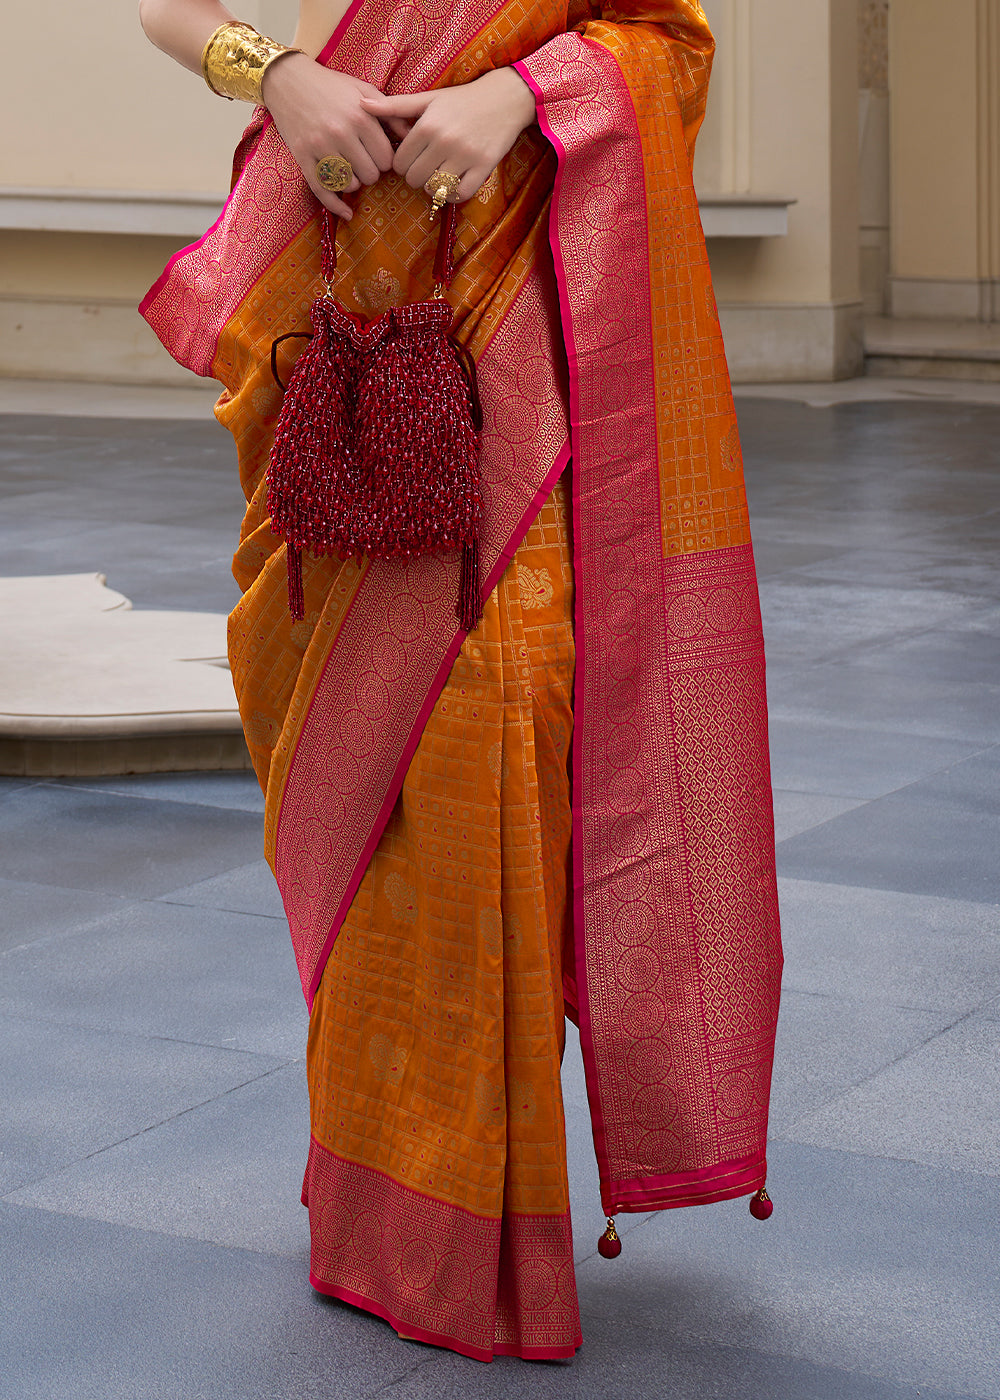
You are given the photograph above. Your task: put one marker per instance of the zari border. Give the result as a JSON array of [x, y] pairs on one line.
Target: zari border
[[677, 1033], [436, 1271]]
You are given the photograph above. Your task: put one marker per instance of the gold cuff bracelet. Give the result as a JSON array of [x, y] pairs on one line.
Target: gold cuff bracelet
[[235, 60]]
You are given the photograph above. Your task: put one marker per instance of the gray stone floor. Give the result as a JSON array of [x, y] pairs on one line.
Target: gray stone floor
[[152, 1029]]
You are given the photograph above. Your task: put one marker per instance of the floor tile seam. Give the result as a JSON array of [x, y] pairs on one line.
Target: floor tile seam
[[935, 1164], [68, 785], [917, 726], [836, 655], [88, 926], [830, 1369], [883, 1069], [282, 1061], [68, 1167], [421, 1365], [815, 792], [5, 1202], [826, 1367], [101, 921], [976, 751], [217, 908], [845, 1000], [60, 785], [829, 879], [940, 899]]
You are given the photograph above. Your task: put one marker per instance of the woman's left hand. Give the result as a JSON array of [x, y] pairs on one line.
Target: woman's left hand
[[465, 130]]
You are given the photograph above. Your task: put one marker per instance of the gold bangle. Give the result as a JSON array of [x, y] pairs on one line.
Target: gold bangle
[[235, 60]]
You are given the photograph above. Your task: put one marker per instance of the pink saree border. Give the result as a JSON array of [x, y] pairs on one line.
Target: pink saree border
[[395, 787], [671, 1085], [481, 1285]]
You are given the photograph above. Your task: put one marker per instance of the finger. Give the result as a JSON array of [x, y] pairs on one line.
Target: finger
[[411, 106], [472, 182], [399, 127], [365, 168], [412, 149], [332, 201], [430, 160], [378, 147]]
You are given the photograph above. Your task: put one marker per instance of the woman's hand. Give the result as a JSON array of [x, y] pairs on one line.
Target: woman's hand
[[320, 112], [465, 130]]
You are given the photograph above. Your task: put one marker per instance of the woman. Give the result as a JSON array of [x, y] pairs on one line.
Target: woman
[[565, 809]]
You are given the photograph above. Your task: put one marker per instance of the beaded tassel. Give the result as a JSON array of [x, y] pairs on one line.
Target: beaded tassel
[[609, 1246], [761, 1205]]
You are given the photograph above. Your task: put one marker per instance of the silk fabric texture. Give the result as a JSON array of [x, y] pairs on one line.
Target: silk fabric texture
[[583, 292]]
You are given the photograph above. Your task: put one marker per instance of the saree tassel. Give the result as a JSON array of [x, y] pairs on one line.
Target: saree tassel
[[296, 592], [470, 596], [609, 1246], [761, 1205]]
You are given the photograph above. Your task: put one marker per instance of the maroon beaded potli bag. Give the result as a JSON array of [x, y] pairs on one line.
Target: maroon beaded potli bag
[[376, 446]]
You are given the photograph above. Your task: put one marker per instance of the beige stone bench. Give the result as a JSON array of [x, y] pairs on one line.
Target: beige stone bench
[[90, 686]]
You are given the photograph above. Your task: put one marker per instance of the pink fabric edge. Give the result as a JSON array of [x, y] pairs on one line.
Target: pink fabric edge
[[582, 1018], [441, 1339], [338, 33], [158, 285], [741, 1178], [506, 555]]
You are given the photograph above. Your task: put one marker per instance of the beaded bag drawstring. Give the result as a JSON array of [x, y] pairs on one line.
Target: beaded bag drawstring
[[376, 446]]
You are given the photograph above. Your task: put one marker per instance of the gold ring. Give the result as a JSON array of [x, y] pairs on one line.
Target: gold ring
[[334, 173], [442, 186]]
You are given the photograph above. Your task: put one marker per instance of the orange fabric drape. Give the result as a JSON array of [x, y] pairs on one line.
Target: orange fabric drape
[[437, 1031]]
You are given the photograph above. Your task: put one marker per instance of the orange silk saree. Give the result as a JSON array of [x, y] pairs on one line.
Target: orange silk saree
[[567, 810]]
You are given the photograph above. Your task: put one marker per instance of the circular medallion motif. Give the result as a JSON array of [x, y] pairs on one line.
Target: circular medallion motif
[[366, 1237], [342, 770], [725, 610], [643, 1015], [638, 969], [427, 577], [633, 923], [686, 615], [418, 1263], [536, 1284], [334, 1229], [659, 1152], [406, 618], [735, 1093], [626, 790], [648, 1062], [454, 1278], [655, 1108]]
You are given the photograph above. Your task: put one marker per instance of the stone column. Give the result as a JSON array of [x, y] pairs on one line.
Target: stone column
[[783, 120], [873, 152], [945, 146]]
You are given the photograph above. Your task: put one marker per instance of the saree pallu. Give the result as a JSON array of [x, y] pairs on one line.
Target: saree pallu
[[583, 293]]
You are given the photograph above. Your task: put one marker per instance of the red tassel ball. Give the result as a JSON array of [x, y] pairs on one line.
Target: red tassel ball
[[761, 1205], [609, 1246]]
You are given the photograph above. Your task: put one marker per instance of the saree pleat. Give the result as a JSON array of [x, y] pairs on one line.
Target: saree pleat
[[437, 1186]]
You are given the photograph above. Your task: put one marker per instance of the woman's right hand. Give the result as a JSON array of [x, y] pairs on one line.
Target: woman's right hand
[[318, 113]]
